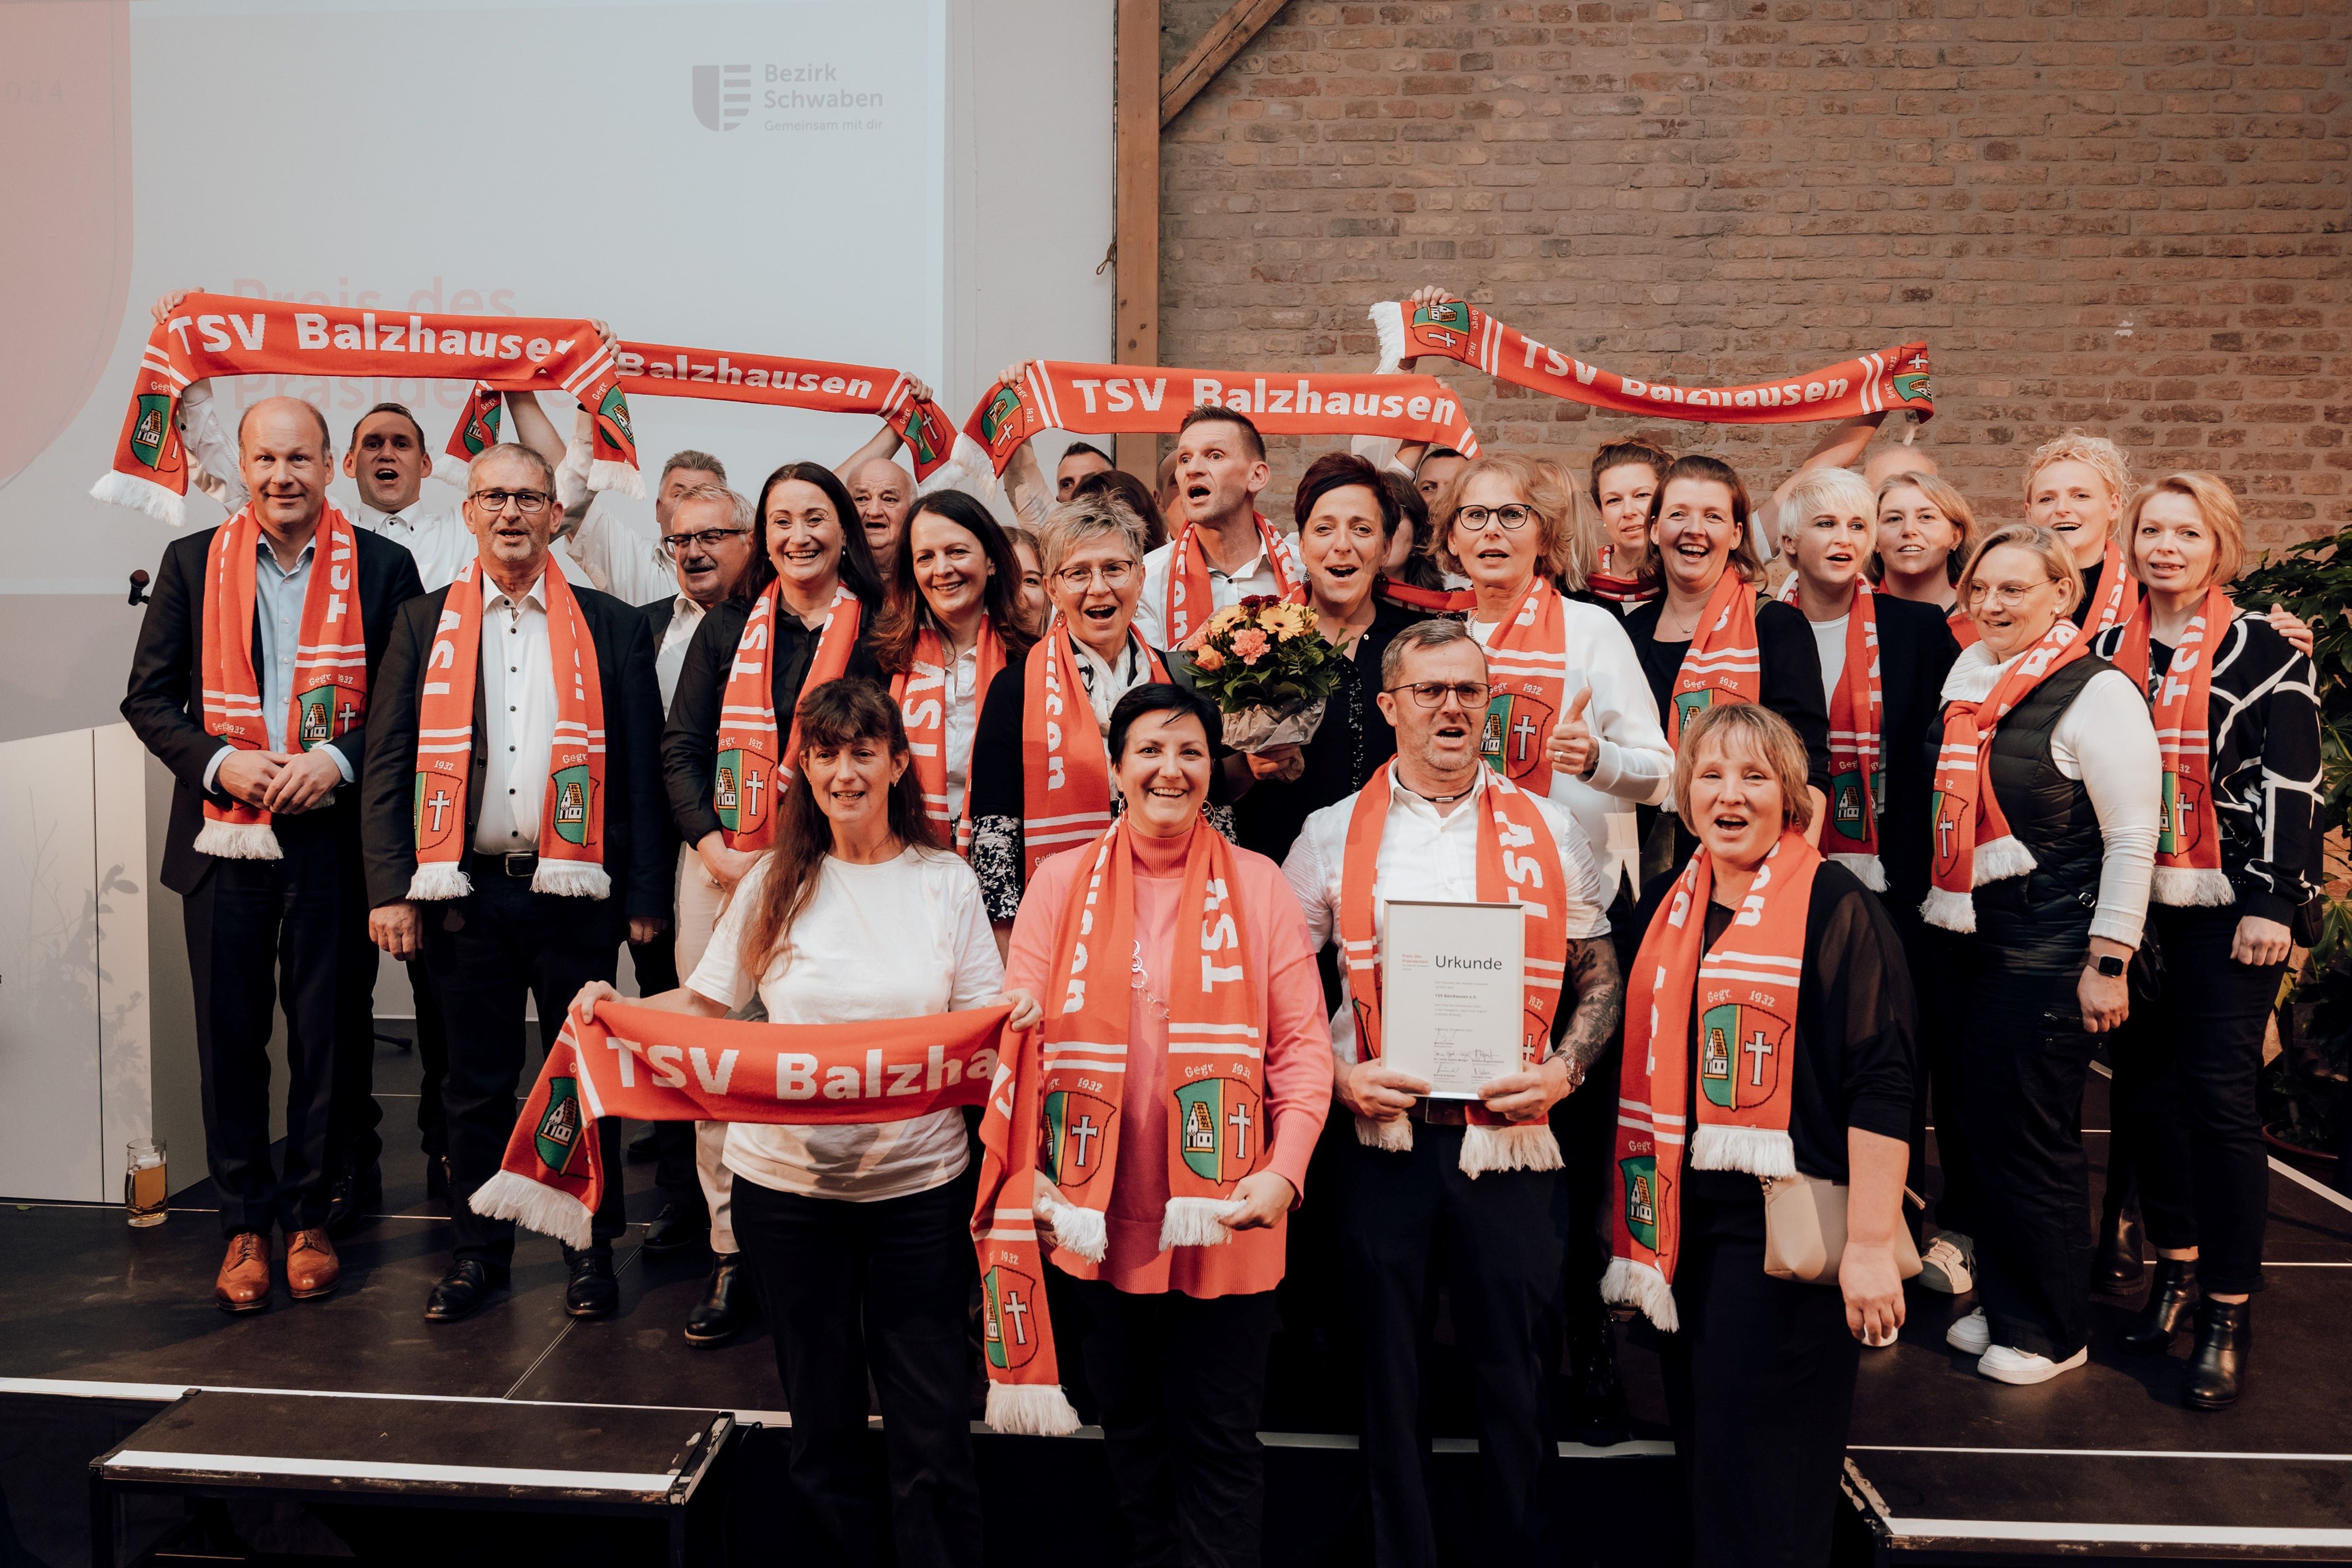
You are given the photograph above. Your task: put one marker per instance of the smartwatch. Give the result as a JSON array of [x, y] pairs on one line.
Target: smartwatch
[[2110, 965]]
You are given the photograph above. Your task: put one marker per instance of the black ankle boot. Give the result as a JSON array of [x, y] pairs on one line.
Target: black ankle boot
[[2118, 1270], [2169, 1296], [2216, 1368]]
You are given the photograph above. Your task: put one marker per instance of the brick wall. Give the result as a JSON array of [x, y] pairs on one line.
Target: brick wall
[[2123, 214]]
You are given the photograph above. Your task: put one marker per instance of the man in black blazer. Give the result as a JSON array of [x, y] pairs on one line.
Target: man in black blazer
[[295, 925], [502, 940]]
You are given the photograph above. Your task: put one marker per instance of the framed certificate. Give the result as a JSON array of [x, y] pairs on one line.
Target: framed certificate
[[1453, 993]]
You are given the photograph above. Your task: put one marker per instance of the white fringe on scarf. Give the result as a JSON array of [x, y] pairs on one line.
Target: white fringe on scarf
[[571, 879], [536, 1207], [1030, 1410], [1765, 1151], [967, 468], [1388, 322], [2004, 857], [1193, 1222], [1084, 1231], [608, 475], [1485, 1148], [238, 841], [1866, 870], [436, 881], [451, 469], [1643, 1288], [144, 494], [2189, 887], [1395, 1134]]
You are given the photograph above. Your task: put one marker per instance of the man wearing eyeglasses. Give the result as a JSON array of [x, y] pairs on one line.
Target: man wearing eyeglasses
[[1403, 1199], [499, 920]]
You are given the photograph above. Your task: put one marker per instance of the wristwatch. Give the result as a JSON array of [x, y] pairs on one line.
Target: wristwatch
[[2110, 965]]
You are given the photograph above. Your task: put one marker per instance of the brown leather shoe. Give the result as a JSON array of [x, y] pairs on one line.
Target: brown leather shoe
[[311, 1267], [243, 1285]]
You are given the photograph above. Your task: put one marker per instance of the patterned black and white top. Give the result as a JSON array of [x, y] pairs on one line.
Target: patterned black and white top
[[2263, 718]]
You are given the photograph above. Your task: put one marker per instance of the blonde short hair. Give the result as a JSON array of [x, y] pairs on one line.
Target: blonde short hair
[[1946, 499], [1081, 520], [1539, 484], [2214, 502], [1765, 734], [1818, 490], [2056, 559], [2102, 457]]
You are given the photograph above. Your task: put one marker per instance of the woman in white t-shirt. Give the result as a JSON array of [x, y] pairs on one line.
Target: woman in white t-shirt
[[857, 1237]]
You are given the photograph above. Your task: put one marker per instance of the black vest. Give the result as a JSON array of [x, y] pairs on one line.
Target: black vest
[[2043, 920]]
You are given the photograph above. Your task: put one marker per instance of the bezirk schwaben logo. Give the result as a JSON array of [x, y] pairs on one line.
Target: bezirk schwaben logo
[[722, 95]]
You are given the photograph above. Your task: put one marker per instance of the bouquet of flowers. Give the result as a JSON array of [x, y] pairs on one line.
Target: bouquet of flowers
[[1265, 665]]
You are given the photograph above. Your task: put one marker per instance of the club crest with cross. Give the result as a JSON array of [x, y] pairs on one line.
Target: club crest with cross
[[744, 793], [1511, 738], [1000, 421], [481, 431], [2184, 815], [1073, 1132], [557, 1136], [1007, 1333], [1912, 382], [925, 434], [1444, 326], [1944, 811], [1740, 1048], [1221, 1126], [574, 791], [436, 814]]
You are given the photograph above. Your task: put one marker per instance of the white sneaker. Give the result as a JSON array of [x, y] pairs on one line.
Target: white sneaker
[[1945, 1268], [2005, 1364], [1971, 1334]]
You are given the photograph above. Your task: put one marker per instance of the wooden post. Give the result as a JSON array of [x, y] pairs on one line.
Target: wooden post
[[1136, 342]]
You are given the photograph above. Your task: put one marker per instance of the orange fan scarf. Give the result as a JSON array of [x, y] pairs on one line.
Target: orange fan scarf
[[2189, 846], [1527, 669], [225, 335], [1064, 762], [1973, 844], [331, 684], [1857, 748], [2119, 595], [1616, 589], [922, 696], [1873, 383], [648, 1065], [752, 771], [1724, 662], [1428, 600], [1519, 863], [1059, 1116], [1746, 990], [1187, 607], [571, 815]]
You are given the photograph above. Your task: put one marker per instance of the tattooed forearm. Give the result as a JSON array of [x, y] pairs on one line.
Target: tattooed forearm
[[1600, 1003]]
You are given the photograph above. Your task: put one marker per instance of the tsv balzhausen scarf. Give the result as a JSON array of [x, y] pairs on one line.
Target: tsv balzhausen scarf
[[752, 771], [1746, 990], [330, 687], [1065, 762], [1724, 662], [1527, 663], [2188, 845], [1187, 604], [1874, 384], [1857, 763], [1519, 863], [1107, 400], [648, 1065], [921, 694], [572, 815], [225, 335]]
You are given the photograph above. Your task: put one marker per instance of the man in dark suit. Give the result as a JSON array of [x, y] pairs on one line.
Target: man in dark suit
[[502, 938], [279, 908]]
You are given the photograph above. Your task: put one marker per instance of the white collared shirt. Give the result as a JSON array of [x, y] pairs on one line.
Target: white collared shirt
[[670, 649], [1256, 577], [962, 722], [1423, 855], [519, 701], [618, 556]]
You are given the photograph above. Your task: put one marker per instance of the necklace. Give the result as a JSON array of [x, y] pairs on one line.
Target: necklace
[[1141, 981]]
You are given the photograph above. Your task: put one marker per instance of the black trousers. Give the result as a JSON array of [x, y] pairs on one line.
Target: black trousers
[[432, 1058], [1938, 961], [2185, 1070], [1760, 1388], [2022, 1090], [487, 952], [1180, 1381], [1585, 1124], [1500, 1251], [880, 1288], [352, 1142], [252, 926], [656, 962]]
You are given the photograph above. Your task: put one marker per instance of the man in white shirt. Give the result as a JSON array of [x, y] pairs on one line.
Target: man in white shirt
[[1079, 460], [613, 551], [1402, 1207], [1220, 470]]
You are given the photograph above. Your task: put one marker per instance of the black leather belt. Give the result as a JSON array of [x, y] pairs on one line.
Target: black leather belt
[[520, 867], [1439, 1112]]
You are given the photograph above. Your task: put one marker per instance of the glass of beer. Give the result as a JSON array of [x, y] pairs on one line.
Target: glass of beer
[[145, 1185]]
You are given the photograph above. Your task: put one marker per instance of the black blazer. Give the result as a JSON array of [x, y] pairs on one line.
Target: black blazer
[[638, 855], [164, 704], [1915, 650], [689, 741]]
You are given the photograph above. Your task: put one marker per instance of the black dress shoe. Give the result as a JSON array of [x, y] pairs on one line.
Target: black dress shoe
[[675, 1229], [2118, 1270], [2217, 1366], [437, 1177], [1598, 1416], [645, 1146], [726, 1306], [355, 1197], [463, 1289], [592, 1291], [2169, 1296]]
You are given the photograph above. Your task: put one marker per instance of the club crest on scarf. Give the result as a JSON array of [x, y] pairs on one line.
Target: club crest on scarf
[[1638, 1179], [1010, 1338], [1074, 1129], [1221, 1124], [1511, 738], [557, 1136], [1740, 1048], [481, 430], [1947, 811], [153, 428], [574, 791], [2184, 815], [745, 790]]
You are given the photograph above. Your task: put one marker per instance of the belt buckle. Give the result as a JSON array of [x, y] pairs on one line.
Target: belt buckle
[[530, 865]]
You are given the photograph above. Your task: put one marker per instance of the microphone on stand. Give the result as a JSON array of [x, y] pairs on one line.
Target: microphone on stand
[[137, 586]]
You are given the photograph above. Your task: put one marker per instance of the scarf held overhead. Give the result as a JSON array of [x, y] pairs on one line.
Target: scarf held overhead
[[1065, 759], [330, 685], [752, 771], [648, 1065], [226, 335], [1519, 863], [1873, 383], [922, 696], [571, 815], [1746, 990], [1108, 400], [2188, 845]]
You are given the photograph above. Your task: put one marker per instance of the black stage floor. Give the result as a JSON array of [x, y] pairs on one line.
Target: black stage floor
[[101, 1326]]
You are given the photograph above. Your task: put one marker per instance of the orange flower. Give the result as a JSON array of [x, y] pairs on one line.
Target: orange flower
[[1208, 660], [1250, 644]]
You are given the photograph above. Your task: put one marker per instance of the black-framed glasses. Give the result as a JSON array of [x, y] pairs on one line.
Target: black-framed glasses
[[705, 540], [530, 503], [1512, 518], [1432, 693]]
